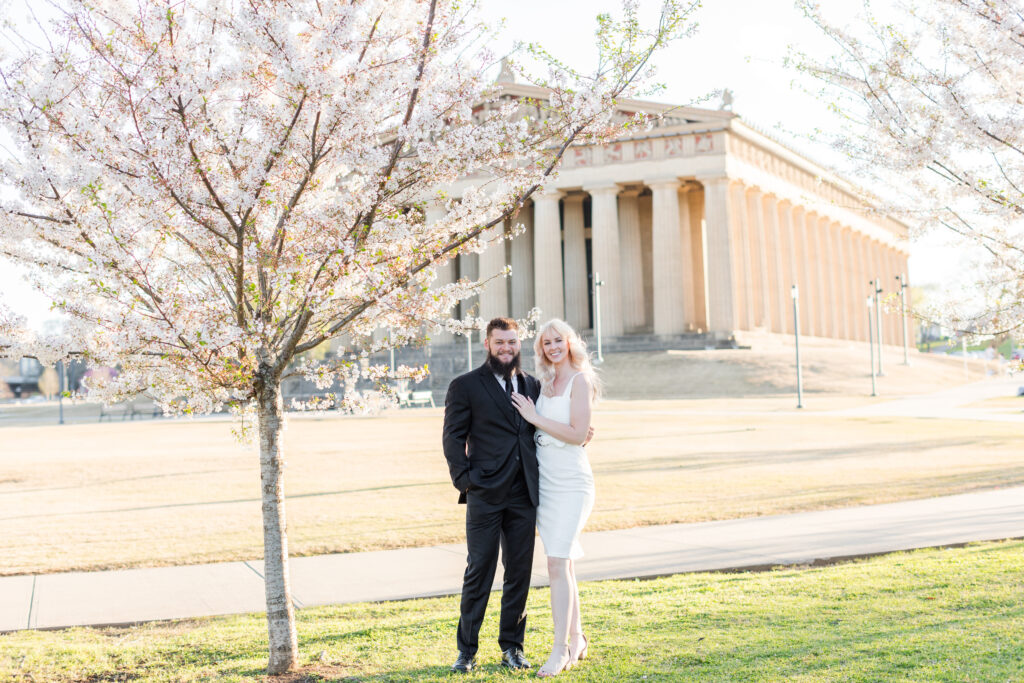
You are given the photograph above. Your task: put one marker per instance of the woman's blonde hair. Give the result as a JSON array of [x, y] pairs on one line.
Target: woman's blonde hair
[[578, 356]]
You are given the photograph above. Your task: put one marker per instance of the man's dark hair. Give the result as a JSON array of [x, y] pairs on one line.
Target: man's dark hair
[[502, 324]]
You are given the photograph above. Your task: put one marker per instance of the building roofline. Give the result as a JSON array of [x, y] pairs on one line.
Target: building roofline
[[701, 120]]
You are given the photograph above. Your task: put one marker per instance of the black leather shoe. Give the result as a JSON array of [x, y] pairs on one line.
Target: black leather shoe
[[513, 658], [464, 664]]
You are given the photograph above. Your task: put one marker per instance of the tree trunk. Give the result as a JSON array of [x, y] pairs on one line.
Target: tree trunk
[[280, 613]]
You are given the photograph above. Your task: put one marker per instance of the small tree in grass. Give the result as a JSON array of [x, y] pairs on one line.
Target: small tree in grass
[[930, 96], [209, 188]]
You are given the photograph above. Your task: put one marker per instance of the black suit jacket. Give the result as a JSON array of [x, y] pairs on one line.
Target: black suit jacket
[[480, 422]]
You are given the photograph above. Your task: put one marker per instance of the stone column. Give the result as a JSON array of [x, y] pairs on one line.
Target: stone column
[[645, 206], [789, 271], [815, 275], [779, 288], [853, 283], [858, 290], [686, 257], [469, 269], [547, 255], [494, 296], [575, 262], [605, 249], [804, 256], [666, 249], [445, 271], [829, 304], [834, 305], [521, 258], [742, 271], [631, 261], [841, 275], [867, 274], [759, 259], [721, 255], [698, 238]]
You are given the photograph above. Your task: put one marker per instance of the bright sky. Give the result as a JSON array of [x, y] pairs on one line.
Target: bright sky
[[741, 45]]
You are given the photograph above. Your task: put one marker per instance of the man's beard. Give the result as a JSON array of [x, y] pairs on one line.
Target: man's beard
[[503, 369]]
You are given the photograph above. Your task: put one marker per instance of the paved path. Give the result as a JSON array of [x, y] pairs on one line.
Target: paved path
[[957, 403], [127, 596]]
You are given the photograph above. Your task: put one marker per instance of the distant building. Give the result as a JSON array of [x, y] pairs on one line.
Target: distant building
[[26, 379], [701, 224]]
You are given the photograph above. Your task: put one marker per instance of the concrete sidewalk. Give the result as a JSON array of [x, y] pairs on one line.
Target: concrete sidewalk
[[958, 403], [129, 596]]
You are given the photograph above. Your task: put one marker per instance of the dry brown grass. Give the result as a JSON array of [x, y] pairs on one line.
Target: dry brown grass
[[161, 492], [830, 368]]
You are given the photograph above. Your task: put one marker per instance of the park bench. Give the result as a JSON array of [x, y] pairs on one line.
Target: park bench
[[128, 411], [419, 398]]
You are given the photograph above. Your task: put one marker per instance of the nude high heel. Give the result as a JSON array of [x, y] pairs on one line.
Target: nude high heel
[[582, 654], [557, 668]]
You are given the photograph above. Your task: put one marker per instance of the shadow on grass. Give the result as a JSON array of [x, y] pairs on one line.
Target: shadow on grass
[[729, 459], [168, 506], [104, 482]]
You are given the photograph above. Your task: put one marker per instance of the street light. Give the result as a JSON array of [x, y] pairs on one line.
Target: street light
[[61, 382], [795, 293], [902, 279], [597, 315], [876, 284], [871, 344], [391, 343]]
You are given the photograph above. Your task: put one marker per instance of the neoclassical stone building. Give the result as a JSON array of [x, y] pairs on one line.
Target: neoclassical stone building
[[699, 225]]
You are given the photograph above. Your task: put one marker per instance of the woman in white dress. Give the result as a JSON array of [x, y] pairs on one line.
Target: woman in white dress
[[569, 387]]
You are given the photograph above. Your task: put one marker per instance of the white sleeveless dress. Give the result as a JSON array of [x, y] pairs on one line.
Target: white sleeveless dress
[[566, 483]]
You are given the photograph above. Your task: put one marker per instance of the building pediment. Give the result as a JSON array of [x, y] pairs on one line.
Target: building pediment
[[668, 115]]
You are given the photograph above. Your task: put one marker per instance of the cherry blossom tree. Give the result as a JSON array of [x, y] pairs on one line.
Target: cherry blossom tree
[[208, 189], [929, 93]]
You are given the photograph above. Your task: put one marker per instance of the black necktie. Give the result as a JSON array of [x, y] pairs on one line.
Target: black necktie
[[508, 392]]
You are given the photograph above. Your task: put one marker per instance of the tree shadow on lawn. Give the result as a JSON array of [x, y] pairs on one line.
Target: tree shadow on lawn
[[120, 480], [886, 650], [728, 459], [890, 651], [769, 648], [315, 673], [236, 501]]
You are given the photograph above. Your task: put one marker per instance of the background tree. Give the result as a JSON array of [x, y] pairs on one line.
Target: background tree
[[930, 97], [209, 188]]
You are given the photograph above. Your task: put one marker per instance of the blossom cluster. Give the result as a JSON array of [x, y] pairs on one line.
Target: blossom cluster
[[210, 190], [930, 93]]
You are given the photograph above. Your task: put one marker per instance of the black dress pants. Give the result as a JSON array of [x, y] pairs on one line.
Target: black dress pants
[[510, 525]]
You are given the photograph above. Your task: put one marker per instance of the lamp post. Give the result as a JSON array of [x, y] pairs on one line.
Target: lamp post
[[902, 279], [391, 343], [963, 351], [795, 293], [60, 391], [871, 345], [469, 351], [597, 314], [876, 285]]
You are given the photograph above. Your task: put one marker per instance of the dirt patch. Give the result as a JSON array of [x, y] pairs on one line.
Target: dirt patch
[[315, 673]]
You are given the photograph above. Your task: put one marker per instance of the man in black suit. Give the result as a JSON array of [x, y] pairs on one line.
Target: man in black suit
[[493, 463]]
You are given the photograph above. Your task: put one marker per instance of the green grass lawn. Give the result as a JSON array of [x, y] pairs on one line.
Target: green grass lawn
[[934, 615]]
